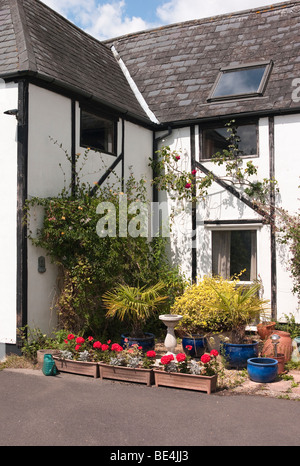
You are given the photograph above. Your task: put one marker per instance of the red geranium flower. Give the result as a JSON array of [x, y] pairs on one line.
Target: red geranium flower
[[214, 353], [104, 347], [167, 359], [151, 354], [79, 340], [116, 347], [97, 344], [181, 357], [90, 338], [205, 358], [77, 347], [70, 336], [189, 347]]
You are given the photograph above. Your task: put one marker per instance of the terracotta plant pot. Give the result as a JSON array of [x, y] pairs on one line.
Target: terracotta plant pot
[[284, 346], [77, 367], [264, 330], [280, 358], [126, 374], [202, 383]]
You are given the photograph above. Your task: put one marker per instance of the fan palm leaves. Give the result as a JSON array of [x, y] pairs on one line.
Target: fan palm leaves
[[134, 304]]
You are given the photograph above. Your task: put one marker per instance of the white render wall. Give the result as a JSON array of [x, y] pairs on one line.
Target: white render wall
[[50, 118], [220, 205], [8, 209]]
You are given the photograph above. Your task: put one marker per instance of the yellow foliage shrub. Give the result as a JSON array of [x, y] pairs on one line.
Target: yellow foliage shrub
[[196, 305]]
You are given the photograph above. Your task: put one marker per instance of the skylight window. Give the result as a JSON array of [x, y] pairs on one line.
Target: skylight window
[[244, 81]]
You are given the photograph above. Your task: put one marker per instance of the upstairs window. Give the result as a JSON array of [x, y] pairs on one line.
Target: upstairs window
[[98, 132], [243, 81], [215, 139]]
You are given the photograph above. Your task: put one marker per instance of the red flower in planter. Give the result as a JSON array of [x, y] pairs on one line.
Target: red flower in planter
[[77, 347], [205, 358], [90, 338], [80, 340], [181, 357], [167, 359], [151, 354], [104, 347], [214, 353], [189, 347], [116, 347], [71, 336], [97, 344]]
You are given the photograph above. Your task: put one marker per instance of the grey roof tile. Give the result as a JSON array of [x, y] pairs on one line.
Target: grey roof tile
[[198, 49]]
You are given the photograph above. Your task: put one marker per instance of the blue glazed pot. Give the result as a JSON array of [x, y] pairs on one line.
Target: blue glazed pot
[[147, 343], [262, 370], [198, 344], [237, 355]]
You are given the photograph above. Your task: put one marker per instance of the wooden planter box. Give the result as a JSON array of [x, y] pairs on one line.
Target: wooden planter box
[[126, 374], [202, 383], [77, 367]]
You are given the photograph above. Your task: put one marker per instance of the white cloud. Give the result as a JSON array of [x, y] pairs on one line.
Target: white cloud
[[175, 11], [110, 21]]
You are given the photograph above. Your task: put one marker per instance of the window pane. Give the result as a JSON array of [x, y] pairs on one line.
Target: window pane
[[246, 81], [215, 140], [234, 251], [97, 132]]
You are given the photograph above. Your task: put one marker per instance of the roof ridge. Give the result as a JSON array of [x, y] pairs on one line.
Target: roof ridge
[[26, 53], [208, 19]]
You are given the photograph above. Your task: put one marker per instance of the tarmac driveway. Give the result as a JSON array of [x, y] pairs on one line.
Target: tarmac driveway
[[71, 410]]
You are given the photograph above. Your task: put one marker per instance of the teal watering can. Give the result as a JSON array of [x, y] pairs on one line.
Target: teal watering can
[[49, 367]]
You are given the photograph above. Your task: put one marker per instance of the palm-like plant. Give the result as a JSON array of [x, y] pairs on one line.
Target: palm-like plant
[[134, 304], [240, 308]]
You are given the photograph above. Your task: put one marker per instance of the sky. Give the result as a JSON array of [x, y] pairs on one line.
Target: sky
[[105, 19]]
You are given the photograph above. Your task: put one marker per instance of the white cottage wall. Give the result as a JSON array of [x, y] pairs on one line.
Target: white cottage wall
[[49, 118], [287, 173], [8, 208]]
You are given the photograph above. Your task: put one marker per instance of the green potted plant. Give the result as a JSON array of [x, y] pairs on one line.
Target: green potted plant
[[239, 308], [135, 305]]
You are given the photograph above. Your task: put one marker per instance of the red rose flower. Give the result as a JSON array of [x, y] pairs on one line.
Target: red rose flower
[[97, 345], [177, 157], [214, 353], [205, 358], [180, 357], [194, 172], [188, 185], [151, 354]]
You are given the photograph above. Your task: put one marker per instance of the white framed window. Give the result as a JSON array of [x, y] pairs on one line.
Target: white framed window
[[233, 251]]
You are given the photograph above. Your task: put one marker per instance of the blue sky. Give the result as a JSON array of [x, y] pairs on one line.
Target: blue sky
[[105, 19]]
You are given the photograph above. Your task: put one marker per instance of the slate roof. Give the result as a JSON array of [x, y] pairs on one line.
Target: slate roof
[[37, 41], [176, 66]]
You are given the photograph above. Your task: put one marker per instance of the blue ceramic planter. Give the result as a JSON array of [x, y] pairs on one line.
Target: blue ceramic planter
[[147, 343], [262, 370], [198, 344], [237, 355]]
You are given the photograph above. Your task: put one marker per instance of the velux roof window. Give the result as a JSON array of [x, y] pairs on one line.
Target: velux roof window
[[243, 81]]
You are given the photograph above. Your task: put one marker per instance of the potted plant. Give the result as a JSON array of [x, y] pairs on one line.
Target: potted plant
[[134, 305], [76, 355], [239, 307], [184, 372], [129, 364]]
